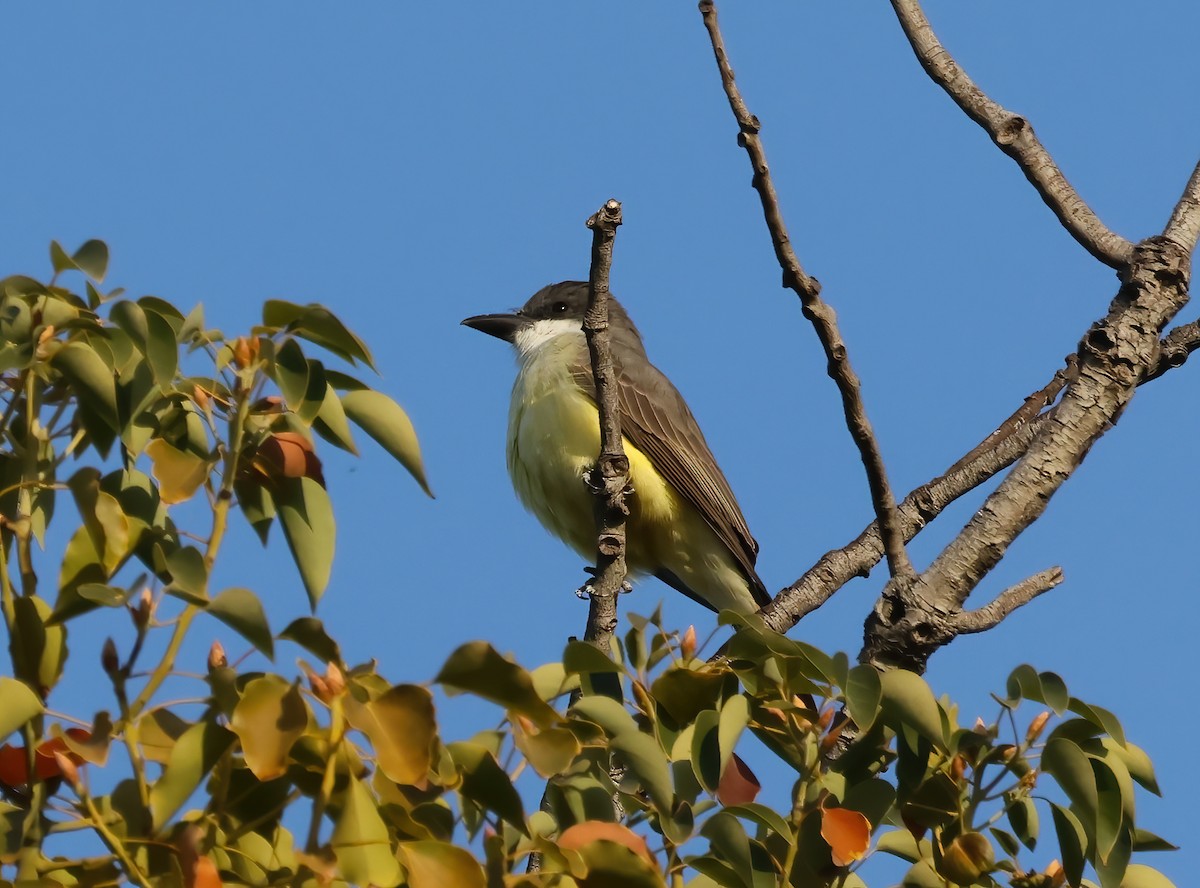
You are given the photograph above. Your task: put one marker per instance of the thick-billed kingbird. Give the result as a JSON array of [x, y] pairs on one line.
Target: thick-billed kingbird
[[684, 525]]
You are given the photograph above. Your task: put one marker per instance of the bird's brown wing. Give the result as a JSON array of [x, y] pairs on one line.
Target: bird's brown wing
[[656, 419]]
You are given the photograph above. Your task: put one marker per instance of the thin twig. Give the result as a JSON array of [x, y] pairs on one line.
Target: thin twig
[[989, 616], [1013, 135], [610, 478], [820, 313], [1184, 225]]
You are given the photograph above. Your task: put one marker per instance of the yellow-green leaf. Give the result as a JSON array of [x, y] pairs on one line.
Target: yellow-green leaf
[[191, 758], [440, 865], [18, 704], [361, 843], [908, 700], [401, 726], [306, 516], [385, 421], [270, 716], [179, 473], [241, 610]]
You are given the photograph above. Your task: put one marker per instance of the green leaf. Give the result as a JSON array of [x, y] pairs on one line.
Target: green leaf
[[685, 693], [241, 610], [306, 516], [385, 421], [39, 651], [705, 751], [485, 783], [477, 668], [192, 757], [291, 373], [609, 714], [922, 875], [162, 351], [81, 565], [18, 704], [550, 751], [92, 259], [402, 728], [331, 423], [864, 695], [1136, 761], [317, 324], [1023, 816], [1072, 842], [91, 379], [762, 815], [735, 715], [1138, 875], [1041, 687], [1071, 767], [270, 717], [310, 634], [907, 700], [1100, 717], [646, 761], [581, 657], [188, 574], [360, 841]]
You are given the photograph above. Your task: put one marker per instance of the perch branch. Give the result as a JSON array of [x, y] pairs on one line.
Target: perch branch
[[1013, 135], [819, 312], [989, 616], [610, 477]]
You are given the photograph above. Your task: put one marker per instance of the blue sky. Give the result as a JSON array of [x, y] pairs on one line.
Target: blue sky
[[412, 164]]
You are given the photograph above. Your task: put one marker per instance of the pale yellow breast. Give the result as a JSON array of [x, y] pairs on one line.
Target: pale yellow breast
[[554, 439]]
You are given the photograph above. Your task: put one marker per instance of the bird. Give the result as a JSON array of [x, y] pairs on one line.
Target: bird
[[684, 525]]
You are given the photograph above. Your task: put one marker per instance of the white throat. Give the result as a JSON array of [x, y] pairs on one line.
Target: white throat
[[532, 339]]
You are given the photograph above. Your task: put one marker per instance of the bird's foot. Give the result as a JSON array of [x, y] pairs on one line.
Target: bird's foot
[[585, 591]]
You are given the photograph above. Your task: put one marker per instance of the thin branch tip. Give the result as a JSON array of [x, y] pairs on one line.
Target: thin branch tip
[[1014, 135], [1016, 596]]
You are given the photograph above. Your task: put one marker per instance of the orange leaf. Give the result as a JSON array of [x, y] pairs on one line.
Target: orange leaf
[[738, 784], [204, 874], [847, 832], [289, 455], [13, 769], [575, 838]]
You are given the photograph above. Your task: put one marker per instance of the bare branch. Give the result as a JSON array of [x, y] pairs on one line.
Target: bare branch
[[1014, 136], [610, 478], [820, 313], [991, 615], [838, 566], [1026, 413], [1184, 225], [991, 456], [1175, 349], [909, 622]]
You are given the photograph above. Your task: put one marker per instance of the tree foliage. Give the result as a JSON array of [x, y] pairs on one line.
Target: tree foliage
[[335, 774]]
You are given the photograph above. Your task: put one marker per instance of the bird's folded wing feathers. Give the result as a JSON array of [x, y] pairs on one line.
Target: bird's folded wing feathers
[[675, 445]]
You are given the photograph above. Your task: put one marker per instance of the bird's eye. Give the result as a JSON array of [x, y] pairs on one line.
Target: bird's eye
[[559, 308]]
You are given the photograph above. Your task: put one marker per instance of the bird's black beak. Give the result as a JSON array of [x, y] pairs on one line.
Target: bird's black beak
[[502, 326]]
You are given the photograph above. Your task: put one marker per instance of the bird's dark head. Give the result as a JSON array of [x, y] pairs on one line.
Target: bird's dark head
[[558, 307]]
